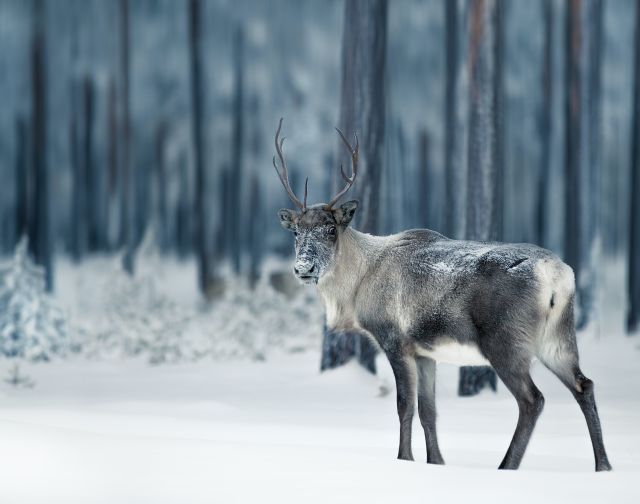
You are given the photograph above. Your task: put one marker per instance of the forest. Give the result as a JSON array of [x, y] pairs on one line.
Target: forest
[[147, 295], [489, 120]]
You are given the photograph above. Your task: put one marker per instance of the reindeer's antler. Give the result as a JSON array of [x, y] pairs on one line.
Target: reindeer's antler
[[354, 151], [283, 174]]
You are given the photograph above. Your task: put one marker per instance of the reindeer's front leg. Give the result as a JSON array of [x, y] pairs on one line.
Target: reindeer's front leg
[[404, 370], [427, 407]]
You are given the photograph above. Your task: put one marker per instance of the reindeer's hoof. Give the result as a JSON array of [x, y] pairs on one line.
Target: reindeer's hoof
[[405, 457], [603, 465]]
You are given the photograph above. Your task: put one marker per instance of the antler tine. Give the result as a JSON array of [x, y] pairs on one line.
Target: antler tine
[[354, 151], [283, 174], [306, 184]]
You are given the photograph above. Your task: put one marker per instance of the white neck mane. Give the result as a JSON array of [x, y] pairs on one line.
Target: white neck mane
[[354, 257]]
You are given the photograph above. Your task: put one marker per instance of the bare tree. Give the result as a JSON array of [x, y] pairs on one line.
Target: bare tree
[[255, 231], [40, 241], [195, 53], [583, 43], [162, 204], [113, 173], [23, 199], [127, 226], [237, 151], [454, 178], [78, 216], [633, 285], [362, 110], [484, 157], [544, 127]]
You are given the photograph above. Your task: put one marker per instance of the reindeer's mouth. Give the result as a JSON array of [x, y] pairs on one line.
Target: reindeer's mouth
[[308, 279]]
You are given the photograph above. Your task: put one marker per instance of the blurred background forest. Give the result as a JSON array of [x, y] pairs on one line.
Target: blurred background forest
[[136, 139]]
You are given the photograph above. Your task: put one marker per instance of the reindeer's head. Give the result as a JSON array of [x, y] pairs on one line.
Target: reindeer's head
[[317, 229]]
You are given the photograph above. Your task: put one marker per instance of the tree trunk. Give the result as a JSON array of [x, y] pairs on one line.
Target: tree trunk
[[633, 286], [235, 176], [484, 158], [23, 198], [195, 53], [454, 176], [162, 203], [255, 231], [78, 215], [426, 207], [544, 129], [127, 179], [184, 212], [93, 188], [582, 149], [362, 111], [40, 241], [113, 179]]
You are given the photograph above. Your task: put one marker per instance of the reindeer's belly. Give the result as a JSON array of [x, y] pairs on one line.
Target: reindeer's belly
[[452, 352]]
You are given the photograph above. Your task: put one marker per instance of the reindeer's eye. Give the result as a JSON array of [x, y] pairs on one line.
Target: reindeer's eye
[[295, 233], [332, 231]]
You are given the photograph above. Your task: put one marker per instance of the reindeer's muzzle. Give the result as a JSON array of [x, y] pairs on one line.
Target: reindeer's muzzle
[[306, 272]]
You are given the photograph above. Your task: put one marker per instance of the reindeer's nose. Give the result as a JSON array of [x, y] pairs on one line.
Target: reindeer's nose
[[304, 269]]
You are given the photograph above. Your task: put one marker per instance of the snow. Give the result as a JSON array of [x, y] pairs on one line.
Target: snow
[[111, 425], [279, 431]]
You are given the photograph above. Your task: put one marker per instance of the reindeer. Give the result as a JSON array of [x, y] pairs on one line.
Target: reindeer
[[425, 298]]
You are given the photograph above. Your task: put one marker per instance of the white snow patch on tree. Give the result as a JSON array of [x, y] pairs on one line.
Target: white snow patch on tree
[[31, 326]]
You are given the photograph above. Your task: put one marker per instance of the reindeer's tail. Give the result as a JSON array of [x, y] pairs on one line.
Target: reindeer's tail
[[556, 344]]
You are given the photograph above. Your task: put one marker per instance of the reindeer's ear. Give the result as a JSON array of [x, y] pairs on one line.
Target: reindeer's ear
[[345, 212], [288, 218]]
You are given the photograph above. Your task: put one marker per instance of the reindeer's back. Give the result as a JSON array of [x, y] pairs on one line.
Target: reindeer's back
[[437, 285]]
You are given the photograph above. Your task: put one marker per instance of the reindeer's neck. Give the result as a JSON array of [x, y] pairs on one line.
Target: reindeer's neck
[[354, 257]]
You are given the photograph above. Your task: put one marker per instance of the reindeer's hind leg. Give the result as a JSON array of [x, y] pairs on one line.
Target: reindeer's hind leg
[[515, 375], [560, 354], [427, 407]]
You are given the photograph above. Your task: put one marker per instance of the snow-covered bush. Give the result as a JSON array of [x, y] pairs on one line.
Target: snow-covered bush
[[157, 313], [131, 316], [31, 326], [248, 322]]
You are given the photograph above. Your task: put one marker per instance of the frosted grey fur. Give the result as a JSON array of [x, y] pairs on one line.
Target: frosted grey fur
[[423, 297]]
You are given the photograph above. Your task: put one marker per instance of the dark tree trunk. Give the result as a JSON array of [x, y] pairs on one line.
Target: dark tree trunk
[[255, 231], [127, 176], [362, 105], [23, 198], [582, 148], [362, 110], [425, 183], [484, 170], [235, 176], [86, 227], [93, 187], [454, 176], [197, 103], [113, 179], [222, 242], [544, 128], [184, 213], [78, 216], [162, 205], [40, 241], [633, 308], [430, 195]]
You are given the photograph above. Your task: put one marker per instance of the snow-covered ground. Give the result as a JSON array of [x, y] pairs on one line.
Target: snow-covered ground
[[163, 400], [279, 431]]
